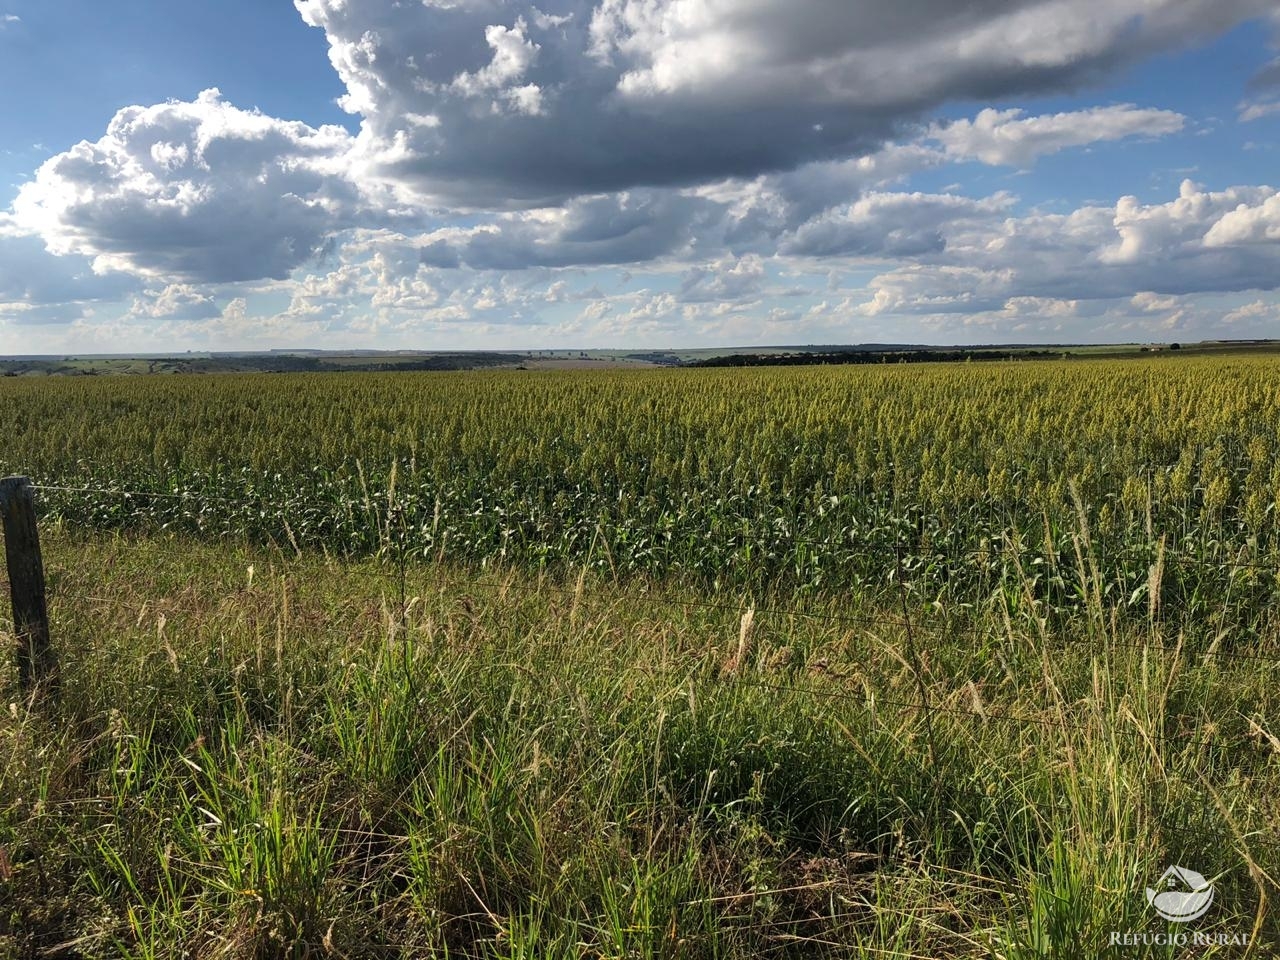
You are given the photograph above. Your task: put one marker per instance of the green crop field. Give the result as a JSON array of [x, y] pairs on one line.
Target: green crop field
[[902, 660], [821, 480]]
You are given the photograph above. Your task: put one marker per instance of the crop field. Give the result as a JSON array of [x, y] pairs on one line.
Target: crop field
[[800, 480], [870, 661]]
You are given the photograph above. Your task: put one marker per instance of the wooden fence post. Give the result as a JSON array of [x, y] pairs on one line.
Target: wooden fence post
[[37, 664]]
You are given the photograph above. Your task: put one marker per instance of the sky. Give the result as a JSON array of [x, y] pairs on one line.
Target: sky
[[491, 174]]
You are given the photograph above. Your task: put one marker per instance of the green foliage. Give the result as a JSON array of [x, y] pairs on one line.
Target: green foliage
[[810, 480], [614, 665], [284, 763]]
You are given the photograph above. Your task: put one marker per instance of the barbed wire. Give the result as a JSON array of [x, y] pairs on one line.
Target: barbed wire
[[981, 713], [387, 575], [871, 700], [868, 700], [793, 613], [1254, 840], [1152, 553]]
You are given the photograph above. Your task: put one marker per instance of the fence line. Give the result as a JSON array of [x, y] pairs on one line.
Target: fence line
[[740, 608], [1151, 554], [386, 574], [869, 701], [874, 700]]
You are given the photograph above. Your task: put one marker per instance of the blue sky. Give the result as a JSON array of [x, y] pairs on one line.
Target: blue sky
[[635, 173]]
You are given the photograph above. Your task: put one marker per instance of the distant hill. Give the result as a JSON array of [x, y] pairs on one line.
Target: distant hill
[[305, 360]]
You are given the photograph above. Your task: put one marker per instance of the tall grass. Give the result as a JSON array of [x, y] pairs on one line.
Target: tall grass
[[256, 755], [936, 662]]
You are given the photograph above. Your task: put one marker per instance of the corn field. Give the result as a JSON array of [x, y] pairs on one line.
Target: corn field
[[957, 478], [941, 661]]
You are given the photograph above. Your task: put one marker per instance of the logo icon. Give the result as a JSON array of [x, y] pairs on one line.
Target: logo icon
[[1183, 895]]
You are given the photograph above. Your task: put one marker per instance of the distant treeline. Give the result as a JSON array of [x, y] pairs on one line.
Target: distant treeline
[[257, 363], [868, 356]]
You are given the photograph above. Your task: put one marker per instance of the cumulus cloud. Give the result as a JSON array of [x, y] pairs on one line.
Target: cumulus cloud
[[936, 288], [199, 191], [1190, 226], [1252, 110], [950, 254], [861, 54], [513, 55], [1150, 302], [177, 301], [733, 222], [629, 227], [1142, 252], [487, 104], [1249, 223], [727, 279], [1257, 312], [1010, 138], [714, 139], [30, 278], [890, 225], [771, 204]]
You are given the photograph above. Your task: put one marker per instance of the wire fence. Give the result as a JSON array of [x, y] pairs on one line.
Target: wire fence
[[933, 703], [869, 700], [1151, 552], [385, 575], [385, 572]]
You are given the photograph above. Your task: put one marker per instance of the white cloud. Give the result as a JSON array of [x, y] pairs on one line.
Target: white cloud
[[1010, 138], [630, 227], [1150, 302], [199, 191], [727, 279], [856, 54], [940, 288], [177, 301], [530, 108], [31, 277], [1144, 253], [890, 225], [1257, 109], [513, 55], [716, 143], [1040, 307], [1259, 311], [1181, 228], [1255, 222]]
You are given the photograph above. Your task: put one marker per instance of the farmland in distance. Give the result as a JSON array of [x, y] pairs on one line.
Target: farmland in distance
[[927, 660]]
